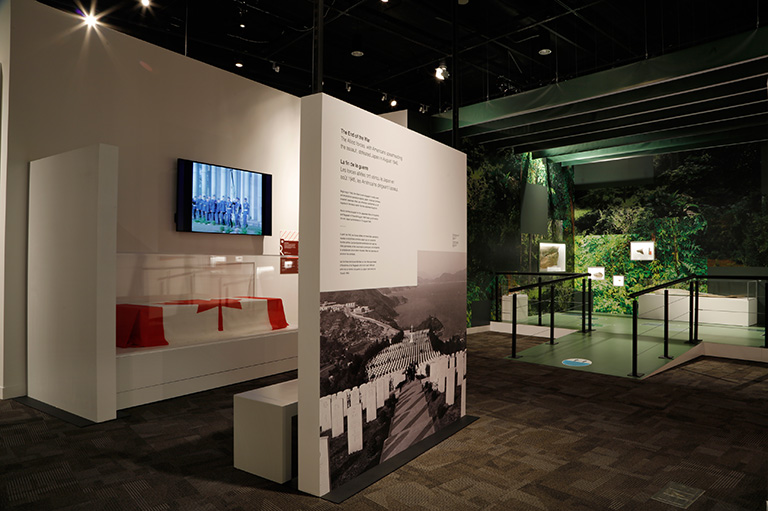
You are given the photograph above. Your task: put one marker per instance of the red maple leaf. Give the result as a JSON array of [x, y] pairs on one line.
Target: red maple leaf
[[204, 305]]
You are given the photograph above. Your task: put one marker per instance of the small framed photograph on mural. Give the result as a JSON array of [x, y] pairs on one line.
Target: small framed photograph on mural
[[596, 272], [618, 280], [552, 257], [642, 250]]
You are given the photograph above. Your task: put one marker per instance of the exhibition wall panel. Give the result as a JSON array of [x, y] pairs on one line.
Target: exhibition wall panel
[[71, 349], [71, 86], [382, 344]]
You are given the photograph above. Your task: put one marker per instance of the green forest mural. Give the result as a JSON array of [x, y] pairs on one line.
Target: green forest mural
[[495, 183], [702, 209]]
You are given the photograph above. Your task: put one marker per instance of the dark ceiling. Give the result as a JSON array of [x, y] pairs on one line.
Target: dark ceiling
[[498, 44]]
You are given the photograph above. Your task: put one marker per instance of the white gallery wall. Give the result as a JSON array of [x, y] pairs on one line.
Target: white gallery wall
[[65, 86], [384, 233]]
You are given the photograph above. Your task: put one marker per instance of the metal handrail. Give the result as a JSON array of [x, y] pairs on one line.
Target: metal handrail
[[563, 277], [693, 310]]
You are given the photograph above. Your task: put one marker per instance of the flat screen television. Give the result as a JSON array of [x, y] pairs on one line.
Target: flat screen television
[[222, 200]]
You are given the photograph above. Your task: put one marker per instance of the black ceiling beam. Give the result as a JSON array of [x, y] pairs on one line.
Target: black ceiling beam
[[720, 56], [729, 95], [617, 146], [574, 136], [668, 95], [649, 148]]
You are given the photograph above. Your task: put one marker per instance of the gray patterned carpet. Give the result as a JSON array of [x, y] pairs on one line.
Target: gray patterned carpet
[[547, 439]]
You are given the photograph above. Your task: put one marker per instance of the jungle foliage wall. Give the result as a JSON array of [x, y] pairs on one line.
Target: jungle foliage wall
[[495, 184], [704, 208]]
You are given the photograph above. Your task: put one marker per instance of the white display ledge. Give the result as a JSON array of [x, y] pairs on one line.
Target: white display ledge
[[721, 310], [145, 375]]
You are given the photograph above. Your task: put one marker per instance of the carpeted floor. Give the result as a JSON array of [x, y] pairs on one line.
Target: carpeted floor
[[548, 438]]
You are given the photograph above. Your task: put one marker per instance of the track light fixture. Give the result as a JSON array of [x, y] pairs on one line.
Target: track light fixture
[[423, 109], [393, 103], [384, 97], [348, 86], [275, 67], [441, 72]]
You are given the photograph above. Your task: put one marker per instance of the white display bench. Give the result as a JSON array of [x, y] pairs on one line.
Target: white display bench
[[721, 310], [522, 307], [262, 430], [73, 362]]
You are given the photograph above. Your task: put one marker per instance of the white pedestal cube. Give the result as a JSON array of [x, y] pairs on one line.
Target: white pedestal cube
[[263, 430]]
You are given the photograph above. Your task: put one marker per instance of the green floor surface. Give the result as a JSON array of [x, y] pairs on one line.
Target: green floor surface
[[609, 345]]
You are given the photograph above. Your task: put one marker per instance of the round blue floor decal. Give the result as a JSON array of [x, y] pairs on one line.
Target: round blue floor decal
[[576, 362]]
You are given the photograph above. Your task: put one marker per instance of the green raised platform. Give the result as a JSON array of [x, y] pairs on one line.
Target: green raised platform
[[609, 345]]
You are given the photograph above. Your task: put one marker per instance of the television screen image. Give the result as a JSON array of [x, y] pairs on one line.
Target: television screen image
[[223, 200]]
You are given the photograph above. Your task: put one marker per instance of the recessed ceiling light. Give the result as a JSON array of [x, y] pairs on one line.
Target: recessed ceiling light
[[90, 20], [393, 103], [545, 51], [238, 64], [357, 53]]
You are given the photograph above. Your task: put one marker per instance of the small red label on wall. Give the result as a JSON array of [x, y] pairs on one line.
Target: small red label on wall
[[289, 265], [289, 248]]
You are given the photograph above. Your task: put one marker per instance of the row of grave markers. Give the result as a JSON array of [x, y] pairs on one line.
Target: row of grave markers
[[399, 356], [445, 372]]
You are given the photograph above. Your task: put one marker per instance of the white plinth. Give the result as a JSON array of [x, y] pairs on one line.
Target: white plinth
[[263, 430], [506, 307], [723, 310]]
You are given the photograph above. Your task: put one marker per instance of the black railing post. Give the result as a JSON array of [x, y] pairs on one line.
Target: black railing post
[[583, 305], [552, 315], [690, 314], [540, 299], [765, 312], [634, 341], [696, 312], [514, 325], [589, 307], [666, 325]]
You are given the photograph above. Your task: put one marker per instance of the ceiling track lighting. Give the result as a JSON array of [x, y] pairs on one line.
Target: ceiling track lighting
[[384, 97], [393, 103], [348, 86], [275, 67]]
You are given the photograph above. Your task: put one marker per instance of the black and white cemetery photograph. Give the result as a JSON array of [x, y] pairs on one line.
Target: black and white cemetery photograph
[[393, 365]]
